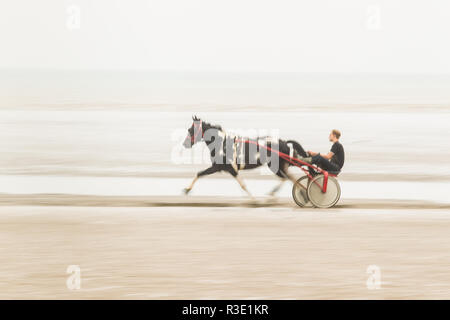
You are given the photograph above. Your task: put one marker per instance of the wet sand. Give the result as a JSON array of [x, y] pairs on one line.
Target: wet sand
[[202, 201], [280, 252]]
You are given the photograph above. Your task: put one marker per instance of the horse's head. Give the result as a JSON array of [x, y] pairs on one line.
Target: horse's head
[[195, 133]]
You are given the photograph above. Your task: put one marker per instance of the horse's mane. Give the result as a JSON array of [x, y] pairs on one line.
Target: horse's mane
[[213, 126]]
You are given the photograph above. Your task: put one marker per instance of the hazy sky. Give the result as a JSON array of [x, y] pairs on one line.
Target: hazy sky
[[231, 35]]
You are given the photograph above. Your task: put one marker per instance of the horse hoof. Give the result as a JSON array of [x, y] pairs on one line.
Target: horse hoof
[[186, 191]]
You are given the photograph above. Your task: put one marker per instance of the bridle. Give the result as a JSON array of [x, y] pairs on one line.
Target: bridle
[[197, 129]]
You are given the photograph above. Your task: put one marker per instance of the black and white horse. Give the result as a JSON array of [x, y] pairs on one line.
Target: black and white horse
[[232, 153]]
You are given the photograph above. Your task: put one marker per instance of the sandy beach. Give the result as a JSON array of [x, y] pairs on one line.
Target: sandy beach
[[98, 97], [96, 102], [223, 252], [98, 185]]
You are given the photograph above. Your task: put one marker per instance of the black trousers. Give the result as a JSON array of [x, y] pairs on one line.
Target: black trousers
[[325, 164]]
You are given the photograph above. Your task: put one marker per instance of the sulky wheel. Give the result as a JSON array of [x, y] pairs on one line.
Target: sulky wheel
[[300, 194], [327, 199]]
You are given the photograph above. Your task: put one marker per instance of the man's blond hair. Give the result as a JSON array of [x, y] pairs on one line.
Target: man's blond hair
[[337, 133]]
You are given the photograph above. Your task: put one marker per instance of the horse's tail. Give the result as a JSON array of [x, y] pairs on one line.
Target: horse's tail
[[297, 147]]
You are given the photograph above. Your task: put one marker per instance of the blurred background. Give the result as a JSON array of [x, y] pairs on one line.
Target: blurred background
[[97, 95], [98, 88]]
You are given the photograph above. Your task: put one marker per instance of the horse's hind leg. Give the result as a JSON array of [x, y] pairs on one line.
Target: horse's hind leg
[[289, 176], [283, 174], [277, 188]]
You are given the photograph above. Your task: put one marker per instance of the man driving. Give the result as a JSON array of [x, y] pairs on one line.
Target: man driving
[[334, 160]]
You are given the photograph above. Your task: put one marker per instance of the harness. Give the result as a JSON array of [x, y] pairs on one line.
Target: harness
[[292, 160], [197, 129]]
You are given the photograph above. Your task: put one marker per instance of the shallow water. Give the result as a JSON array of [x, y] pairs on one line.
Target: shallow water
[[142, 142]]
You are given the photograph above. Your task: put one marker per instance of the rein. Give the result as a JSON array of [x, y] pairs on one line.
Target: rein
[[298, 163], [292, 160], [197, 129]]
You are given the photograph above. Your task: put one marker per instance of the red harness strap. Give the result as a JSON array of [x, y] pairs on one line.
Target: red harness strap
[[294, 161], [298, 163], [197, 130]]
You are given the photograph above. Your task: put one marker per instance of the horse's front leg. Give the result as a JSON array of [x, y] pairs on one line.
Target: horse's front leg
[[234, 172], [242, 184], [210, 170]]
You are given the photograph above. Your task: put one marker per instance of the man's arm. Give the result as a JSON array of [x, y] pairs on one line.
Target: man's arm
[[326, 156], [329, 155]]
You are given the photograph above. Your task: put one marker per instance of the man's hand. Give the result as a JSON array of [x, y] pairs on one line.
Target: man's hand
[[311, 153]]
